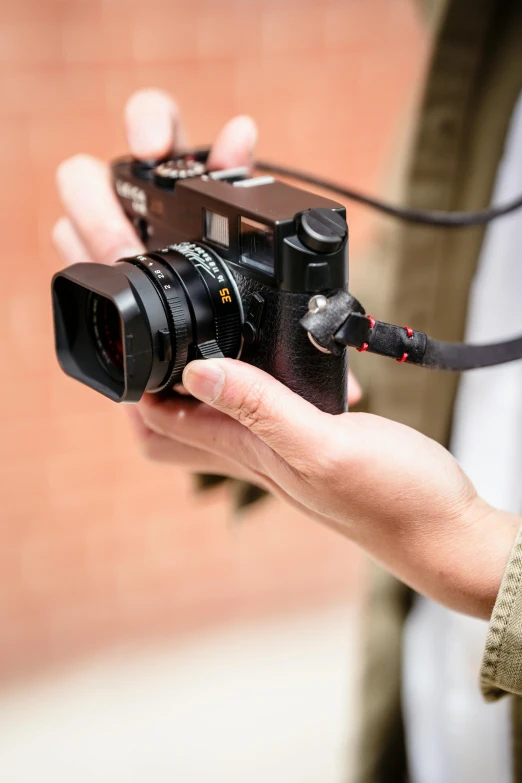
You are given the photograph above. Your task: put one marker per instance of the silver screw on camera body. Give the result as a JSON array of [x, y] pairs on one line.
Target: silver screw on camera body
[[317, 304]]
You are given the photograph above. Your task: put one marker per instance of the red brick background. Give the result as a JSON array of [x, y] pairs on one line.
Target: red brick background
[[97, 546]]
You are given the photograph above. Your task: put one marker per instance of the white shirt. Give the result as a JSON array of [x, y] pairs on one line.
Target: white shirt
[[453, 735]]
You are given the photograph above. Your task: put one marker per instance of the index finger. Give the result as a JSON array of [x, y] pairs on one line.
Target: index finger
[[153, 124], [84, 184], [86, 193]]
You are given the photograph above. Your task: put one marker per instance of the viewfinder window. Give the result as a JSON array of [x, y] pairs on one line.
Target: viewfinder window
[[257, 245]]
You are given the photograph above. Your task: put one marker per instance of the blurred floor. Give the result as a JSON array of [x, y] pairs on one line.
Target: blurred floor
[[271, 701]]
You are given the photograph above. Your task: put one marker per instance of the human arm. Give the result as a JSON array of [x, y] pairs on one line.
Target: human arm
[[397, 494]]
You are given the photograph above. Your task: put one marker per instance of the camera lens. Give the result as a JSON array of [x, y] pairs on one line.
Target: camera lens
[[132, 327], [105, 323]]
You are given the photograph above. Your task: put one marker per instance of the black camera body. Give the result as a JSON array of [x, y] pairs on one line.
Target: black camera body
[[239, 259]]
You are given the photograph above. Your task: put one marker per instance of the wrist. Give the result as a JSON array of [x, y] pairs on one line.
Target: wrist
[[458, 561], [492, 535], [475, 559]]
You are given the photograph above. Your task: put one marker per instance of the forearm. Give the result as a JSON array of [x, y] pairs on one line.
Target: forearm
[[400, 496], [461, 564]]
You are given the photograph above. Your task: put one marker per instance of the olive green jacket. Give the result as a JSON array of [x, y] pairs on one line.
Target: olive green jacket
[[425, 274]]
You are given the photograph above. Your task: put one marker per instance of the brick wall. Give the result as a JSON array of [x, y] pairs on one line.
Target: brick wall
[[95, 545]]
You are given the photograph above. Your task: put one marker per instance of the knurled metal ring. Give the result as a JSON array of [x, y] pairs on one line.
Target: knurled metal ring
[[180, 346]]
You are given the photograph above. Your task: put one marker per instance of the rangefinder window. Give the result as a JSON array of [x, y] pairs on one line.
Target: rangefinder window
[[216, 228], [256, 245]]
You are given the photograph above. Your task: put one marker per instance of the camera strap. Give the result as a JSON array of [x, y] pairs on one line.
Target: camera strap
[[340, 321]]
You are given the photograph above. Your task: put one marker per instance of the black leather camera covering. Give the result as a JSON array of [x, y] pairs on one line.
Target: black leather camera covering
[[284, 350]]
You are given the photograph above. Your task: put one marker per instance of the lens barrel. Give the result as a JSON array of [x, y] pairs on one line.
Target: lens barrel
[[133, 327]]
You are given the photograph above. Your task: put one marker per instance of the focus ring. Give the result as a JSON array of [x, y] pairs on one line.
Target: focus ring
[[221, 288], [180, 347], [177, 311]]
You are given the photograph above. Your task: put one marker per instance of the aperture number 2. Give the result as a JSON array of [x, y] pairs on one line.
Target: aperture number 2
[[161, 276]]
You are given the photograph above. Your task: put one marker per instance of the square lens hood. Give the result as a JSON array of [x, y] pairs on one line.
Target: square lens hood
[[75, 344]]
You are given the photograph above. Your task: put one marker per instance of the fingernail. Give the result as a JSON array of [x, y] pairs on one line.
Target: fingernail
[[235, 144], [354, 389], [242, 129], [204, 379], [249, 128]]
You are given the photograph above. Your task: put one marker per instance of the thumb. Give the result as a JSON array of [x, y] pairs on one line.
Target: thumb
[[283, 420], [234, 145]]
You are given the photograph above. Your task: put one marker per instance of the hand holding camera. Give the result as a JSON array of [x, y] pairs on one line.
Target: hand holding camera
[[394, 492], [232, 262]]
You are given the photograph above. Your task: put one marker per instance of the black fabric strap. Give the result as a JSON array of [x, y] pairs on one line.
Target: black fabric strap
[[460, 356], [344, 323]]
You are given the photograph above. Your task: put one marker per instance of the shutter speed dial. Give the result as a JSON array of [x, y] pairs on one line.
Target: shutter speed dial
[[168, 173]]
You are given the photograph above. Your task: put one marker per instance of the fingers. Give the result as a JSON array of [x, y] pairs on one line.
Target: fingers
[[180, 389], [235, 144], [230, 448], [154, 128], [93, 209], [153, 124], [96, 221], [354, 389], [160, 448], [98, 230], [187, 421], [68, 244], [285, 422]]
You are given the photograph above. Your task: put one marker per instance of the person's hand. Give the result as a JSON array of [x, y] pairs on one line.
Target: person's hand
[[95, 228], [394, 492]]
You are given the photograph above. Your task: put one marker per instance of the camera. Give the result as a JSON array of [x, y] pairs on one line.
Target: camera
[[237, 261]]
